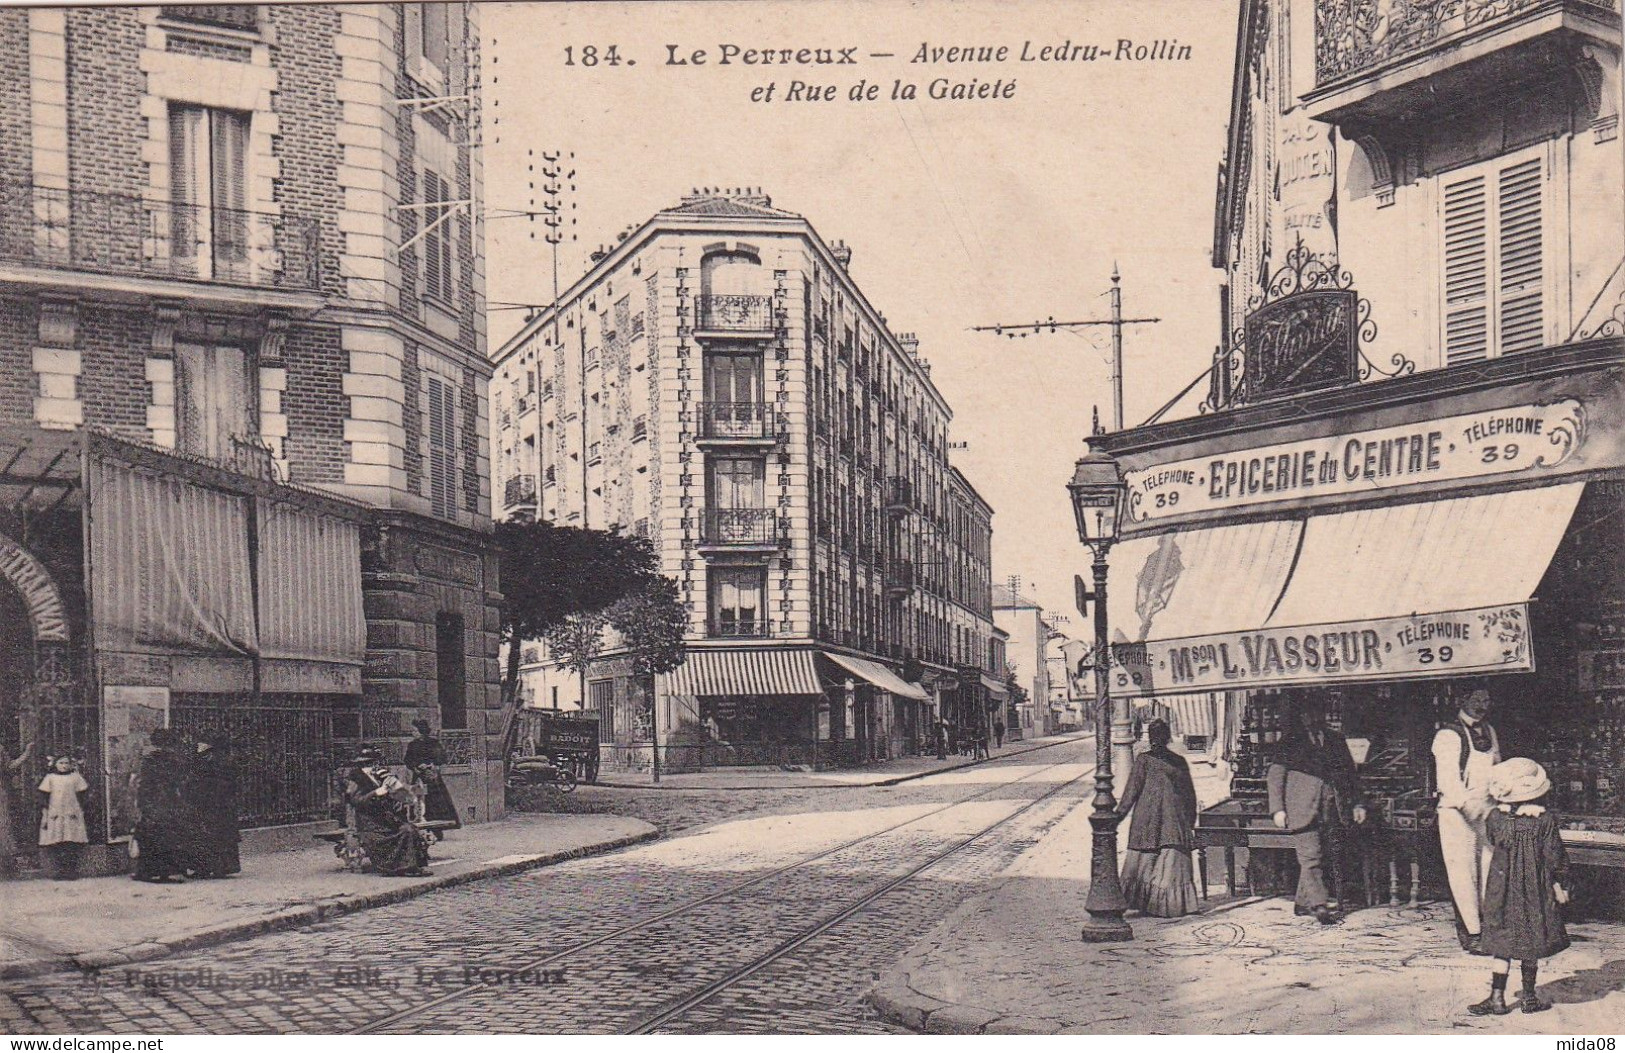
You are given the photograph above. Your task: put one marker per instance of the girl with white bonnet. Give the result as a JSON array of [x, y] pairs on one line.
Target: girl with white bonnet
[[1524, 888]]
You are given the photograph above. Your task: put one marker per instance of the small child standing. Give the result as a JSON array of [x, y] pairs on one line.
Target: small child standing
[[1524, 887], [62, 822]]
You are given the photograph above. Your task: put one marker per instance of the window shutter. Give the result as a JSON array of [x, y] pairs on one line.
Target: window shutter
[[442, 458], [228, 189], [1466, 266], [186, 141], [1521, 275]]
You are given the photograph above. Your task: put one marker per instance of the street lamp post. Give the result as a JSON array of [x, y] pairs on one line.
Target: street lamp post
[[1096, 490]]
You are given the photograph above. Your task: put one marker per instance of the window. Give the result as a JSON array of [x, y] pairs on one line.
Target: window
[[736, 601], [1492, 225], [208, 158], [214, 400], [438, 279], [450, 672], [436, 34], [601, 699], [442, 448], [737, 482], [733, 378], [229, 16]]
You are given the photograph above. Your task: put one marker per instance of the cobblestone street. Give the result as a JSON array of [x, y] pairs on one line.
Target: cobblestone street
[[746, 918]]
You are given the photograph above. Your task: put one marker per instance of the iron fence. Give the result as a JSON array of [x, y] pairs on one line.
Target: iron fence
[[1354, 36], [91, 231], [281, 747]]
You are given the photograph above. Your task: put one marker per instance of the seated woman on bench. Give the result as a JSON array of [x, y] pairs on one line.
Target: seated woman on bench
[[383, 818]]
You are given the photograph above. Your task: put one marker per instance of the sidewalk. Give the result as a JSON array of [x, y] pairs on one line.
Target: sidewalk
[[96, 922], [885, 773], [1010, 960]]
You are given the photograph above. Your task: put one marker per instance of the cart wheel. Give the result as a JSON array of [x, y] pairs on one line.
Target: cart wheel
[[566, 780]]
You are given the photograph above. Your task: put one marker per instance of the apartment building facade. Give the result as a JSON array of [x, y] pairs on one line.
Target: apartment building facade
[[243, 391], [718, 383]]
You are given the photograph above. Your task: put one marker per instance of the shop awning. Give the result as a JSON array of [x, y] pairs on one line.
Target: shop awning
[[742, 672], [1400, 591], [995, 685], [878, 675]]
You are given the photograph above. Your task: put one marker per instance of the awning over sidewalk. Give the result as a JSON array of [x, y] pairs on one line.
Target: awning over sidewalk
[[743, 672], [995, 685], [1399, 591], [878, 675]]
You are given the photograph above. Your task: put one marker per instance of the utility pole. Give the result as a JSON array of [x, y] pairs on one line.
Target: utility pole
[[1116, 321]]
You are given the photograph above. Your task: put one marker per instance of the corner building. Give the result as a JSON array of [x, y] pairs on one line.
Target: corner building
[[719, 384], [1406, 479], [243, 393]]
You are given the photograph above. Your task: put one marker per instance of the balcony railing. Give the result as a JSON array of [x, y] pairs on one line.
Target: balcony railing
[[1353, 36], [899, 577], [82, 230], [740, 420], [229, 16], [519, 491], [736, 627], [741, 526], [736, 313]]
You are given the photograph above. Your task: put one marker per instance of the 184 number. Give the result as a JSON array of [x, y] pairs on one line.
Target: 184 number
[[591, 55]]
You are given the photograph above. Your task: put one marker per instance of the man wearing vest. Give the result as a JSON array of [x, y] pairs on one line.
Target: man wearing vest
[[1464, 751]]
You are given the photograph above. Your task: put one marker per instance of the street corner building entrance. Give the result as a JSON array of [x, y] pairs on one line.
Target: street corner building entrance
[[145, 589], [1382, 558]]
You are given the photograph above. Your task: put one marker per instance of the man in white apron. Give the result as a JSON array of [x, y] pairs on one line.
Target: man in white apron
[[1464, 751]]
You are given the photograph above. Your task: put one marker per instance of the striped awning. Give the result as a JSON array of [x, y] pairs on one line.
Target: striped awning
[[995, 685], [777, 671], [878, 675], [1186, 714]]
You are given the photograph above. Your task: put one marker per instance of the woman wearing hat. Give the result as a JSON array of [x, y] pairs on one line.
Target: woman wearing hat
[[382, 822], [163, 819], [1524, 887], [424, 756]]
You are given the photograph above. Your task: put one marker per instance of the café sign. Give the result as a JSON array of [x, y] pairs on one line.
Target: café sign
[[1480, 640], [1513, 440]]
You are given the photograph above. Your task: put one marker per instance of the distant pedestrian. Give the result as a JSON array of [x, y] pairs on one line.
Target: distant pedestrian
[[1524, 889], [942, 739], [998, 733], [1157, 876], [980, 735], [62, 821], [162, 823], [424, 758], [211, 792]]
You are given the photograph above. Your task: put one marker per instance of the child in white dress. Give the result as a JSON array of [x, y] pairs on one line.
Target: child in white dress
[[62, 822]]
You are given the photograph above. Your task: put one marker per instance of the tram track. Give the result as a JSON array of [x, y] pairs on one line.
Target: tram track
[[806, 934]]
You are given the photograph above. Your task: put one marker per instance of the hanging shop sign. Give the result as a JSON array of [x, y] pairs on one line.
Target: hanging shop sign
[[1303, 342], [1516, 440], [1480, 640]]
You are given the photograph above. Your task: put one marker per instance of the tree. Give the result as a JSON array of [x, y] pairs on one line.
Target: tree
[[549, 573], [652, 622]]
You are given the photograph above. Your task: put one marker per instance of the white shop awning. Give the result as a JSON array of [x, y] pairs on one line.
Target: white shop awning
[[779, 671], [878, 675], [1403, 591]]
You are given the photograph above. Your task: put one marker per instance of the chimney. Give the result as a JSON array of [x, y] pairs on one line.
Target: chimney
[[598, 254], [911, 344], [842, 254]]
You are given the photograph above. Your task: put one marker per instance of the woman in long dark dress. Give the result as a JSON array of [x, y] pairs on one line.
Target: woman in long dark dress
[[382, 824], [1157, 874], [212, 792], [424, 758], [161, 829]]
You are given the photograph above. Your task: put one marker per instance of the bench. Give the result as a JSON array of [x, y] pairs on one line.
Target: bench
[[347, 846]]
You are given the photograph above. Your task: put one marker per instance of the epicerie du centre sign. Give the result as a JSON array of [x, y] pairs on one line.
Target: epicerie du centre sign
[[1480, 640], [1516, 439]]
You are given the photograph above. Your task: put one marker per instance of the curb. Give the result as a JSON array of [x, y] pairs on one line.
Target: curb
[[892, 781], [306, 914], [898, 1003]]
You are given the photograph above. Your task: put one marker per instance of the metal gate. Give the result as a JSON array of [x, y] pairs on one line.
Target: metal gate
[[280, 747]]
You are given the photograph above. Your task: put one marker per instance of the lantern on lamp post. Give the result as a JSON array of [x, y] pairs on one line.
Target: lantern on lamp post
[[1097, 490]]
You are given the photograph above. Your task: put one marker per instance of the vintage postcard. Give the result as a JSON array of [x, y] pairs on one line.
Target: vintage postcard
[[820, 517]]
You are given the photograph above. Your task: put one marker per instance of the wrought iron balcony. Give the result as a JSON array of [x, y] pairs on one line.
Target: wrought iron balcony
[[751, 527], [1407, 42], [736, 314], [83, 230], [740, 420], [228, 16], [899, 579], [519, 491], [734, 627]]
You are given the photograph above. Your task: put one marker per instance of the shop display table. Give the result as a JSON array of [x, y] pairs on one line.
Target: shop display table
[[1244, 823]]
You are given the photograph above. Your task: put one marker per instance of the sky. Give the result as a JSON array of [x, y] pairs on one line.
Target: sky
[[959, 212]]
